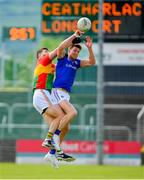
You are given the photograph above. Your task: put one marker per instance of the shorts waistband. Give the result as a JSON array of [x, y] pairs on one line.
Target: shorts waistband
[[49, 90], [63, 90]]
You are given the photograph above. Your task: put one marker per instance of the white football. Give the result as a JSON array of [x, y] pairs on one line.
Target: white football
[[84, 24]]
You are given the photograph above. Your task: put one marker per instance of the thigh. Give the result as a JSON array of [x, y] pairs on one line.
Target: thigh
[[59, 95], [48, 118], [67, 106], [54, 111], [62, 98]]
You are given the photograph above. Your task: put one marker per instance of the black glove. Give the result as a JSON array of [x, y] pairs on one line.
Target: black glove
[[76, 40]]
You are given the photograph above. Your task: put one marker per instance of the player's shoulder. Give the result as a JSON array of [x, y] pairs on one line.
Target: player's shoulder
[[65, 57], [77, 62]]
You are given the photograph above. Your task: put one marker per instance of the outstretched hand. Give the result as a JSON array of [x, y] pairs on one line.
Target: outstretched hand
[[78, 33], [88, 42]]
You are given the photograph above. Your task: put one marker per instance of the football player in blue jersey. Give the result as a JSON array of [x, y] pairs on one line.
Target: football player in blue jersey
[[59, 134], [66, 69]]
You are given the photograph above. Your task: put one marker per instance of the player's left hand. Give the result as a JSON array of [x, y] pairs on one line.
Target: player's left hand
[[88, 42]]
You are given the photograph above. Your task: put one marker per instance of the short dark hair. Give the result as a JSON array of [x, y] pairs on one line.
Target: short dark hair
[[40, 50], [76, 45]]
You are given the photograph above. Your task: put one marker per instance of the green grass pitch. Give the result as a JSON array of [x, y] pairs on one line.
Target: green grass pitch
[[45, 171]]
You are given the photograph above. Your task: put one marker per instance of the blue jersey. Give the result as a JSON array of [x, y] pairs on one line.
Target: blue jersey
[[65, 73]]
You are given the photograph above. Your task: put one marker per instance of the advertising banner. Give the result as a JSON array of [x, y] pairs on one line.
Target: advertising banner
[[115, 152], [119, 54]]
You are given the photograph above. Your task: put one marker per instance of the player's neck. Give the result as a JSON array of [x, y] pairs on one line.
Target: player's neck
[[70, 58]]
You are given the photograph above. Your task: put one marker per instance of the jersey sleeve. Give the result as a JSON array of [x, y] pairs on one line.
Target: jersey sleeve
[[78, 63], [61, 61], [63, 58]]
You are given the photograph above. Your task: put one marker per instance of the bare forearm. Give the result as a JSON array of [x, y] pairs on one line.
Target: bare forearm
[[91, 56], [67, 42]]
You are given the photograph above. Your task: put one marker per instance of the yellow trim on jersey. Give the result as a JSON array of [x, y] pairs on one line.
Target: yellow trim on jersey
[[43, 69]]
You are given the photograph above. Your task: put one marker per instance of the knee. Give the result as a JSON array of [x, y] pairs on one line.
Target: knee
[[73, 114]]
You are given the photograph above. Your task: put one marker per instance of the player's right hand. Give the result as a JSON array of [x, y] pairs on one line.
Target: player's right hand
[[78, 33]]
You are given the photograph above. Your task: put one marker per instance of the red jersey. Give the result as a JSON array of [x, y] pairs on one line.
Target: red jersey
[[44, 73]]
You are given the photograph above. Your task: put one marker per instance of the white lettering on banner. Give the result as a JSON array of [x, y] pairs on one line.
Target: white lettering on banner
[[87, 147], [79, 146], [73, 147], [106, 147], [82, 147]]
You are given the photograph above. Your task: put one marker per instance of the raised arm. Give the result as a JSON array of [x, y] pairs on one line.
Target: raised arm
[[66, 43], [91, 60], [53, 54]]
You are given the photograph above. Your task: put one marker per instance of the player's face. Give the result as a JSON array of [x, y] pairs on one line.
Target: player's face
[[43, 53], [74, 52]]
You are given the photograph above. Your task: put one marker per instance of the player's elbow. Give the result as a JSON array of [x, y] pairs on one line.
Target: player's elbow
[[61, 47], [59, 50], [92, 63]]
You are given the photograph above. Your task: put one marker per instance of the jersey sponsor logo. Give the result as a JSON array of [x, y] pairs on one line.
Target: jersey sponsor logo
[[71, 66]]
